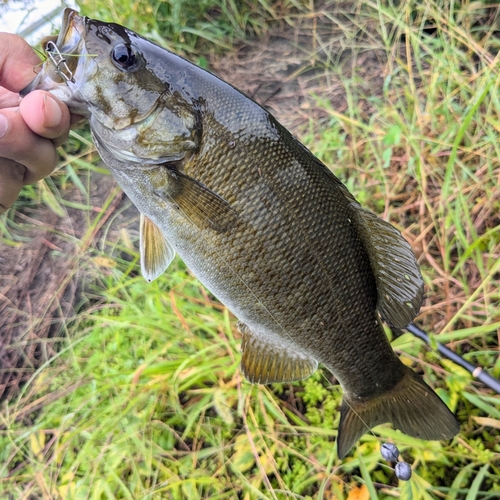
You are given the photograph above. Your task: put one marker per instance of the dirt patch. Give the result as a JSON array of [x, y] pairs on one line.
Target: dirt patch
[[286, 71], [42, 279]]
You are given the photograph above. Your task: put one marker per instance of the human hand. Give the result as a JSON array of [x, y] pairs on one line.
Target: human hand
[[31, 128]]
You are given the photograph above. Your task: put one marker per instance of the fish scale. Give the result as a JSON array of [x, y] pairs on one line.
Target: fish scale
[[261, 222], [311, 212]]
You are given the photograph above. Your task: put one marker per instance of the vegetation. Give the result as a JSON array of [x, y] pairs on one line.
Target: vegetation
[[144, 398]]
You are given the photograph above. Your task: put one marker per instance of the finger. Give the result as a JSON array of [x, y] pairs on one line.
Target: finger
[[20, 144], [46, 116], [11, 182], [9, 99], [18, 62]]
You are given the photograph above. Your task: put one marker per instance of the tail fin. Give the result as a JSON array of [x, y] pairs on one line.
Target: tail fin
[[411, 406]]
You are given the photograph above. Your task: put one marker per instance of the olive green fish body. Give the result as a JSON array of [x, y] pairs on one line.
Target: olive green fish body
[[262, 223], [293, 267]]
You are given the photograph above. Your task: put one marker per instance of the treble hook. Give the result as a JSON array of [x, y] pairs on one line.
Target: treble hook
[[58, 61]]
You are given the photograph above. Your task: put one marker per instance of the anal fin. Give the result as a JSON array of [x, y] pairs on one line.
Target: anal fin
[[266, 362]]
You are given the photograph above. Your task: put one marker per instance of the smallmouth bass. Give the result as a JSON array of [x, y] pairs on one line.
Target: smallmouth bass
[[261, 222]]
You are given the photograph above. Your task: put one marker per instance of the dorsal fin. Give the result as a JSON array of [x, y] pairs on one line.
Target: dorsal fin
[[156, 252], [400, 286], [266, 362]]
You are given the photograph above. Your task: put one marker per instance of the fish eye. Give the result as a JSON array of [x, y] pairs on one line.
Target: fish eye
[[123, 56]]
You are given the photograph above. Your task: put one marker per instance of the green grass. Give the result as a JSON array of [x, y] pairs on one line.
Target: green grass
[[145, 399], [191, 26]]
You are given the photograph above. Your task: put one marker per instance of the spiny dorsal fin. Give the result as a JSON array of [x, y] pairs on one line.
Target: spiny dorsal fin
[[265, 362], [156, 252], [400, 285], [199, 204], [411, 406]]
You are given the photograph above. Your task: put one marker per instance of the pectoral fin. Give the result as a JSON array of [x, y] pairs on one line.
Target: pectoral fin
[[400, 285], [156, 252], [266, 362], [199, 204]]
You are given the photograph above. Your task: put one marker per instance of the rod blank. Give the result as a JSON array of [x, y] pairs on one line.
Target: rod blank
[[477, 371]]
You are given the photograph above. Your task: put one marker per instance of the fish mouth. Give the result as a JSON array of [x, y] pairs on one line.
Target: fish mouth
[[69, 44], [64, 54], [71, 21], [72, 34]]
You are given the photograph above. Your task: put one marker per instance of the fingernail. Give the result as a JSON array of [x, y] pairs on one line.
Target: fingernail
[[52, 112], [4, 125]]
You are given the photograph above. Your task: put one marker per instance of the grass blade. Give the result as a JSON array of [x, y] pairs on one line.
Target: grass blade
[[476, 484]]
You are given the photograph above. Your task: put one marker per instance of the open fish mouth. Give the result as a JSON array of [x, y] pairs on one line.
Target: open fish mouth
[[69, 43], [64, 68]]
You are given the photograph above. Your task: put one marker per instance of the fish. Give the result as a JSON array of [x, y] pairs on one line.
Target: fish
[[262, 223]]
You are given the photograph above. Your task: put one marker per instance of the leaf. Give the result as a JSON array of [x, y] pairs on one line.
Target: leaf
[[125, 237], [368, 480], [268, 463], [222, 407], [243, 459], [189, 489], [105, 262], [76, 180], [477, 401], [475, 102], [67, 490], [459, 480], [386, 156], [50, 200], [406, 490], [421, 487], [415, 489], [360, 493], [37, 443], [393, 136], [487, 422], [202, 62]]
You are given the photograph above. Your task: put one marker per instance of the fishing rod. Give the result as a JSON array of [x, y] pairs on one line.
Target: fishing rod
[[476, 371], [389, 451]]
